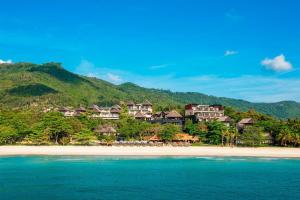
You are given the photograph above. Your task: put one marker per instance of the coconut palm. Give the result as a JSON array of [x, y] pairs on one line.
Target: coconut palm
[[233, 135], [284, 136]]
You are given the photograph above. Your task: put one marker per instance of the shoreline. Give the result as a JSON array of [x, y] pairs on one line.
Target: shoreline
[[207, 151]]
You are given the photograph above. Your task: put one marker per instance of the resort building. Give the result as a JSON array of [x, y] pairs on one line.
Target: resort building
[[80, 110], [106, 112], [140, 110], [204, 112], [244, 123], [67, 111], [225, 120], [164, 117]]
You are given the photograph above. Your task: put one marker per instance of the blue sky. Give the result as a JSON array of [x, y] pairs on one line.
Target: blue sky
[[240, 49]]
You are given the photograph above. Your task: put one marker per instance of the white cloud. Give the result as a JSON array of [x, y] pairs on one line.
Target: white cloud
[[277, 64], [230, 53], [89, 69], [6, 61], [85, 66], [114, 77]]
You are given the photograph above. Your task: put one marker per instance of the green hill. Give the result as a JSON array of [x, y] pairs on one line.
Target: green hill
[[27, 84]]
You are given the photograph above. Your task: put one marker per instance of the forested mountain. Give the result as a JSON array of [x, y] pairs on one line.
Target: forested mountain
[[27, 84]]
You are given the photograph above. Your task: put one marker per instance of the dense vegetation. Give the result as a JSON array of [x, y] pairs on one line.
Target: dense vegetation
[[31, 126], [31, 85]]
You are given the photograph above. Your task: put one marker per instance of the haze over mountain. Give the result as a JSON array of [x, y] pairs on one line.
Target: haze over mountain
[[27, 84]]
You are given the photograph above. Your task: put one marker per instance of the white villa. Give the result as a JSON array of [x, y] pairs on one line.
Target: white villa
[[140, 110], [204, 112], [106, 112]]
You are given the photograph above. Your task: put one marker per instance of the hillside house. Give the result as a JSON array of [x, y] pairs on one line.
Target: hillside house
[[67, 111], [244, 123], [164, 117], [140, 110], [80, 110], [112, 113], [204, 112]]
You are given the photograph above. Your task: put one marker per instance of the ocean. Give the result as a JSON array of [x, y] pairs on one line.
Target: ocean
[[129, 178]]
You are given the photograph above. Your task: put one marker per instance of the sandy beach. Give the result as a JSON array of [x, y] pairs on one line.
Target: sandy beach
[[151, 151]]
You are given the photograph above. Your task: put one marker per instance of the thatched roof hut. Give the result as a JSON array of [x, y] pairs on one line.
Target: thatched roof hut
[[94, 108], [173, 115], [115, 110], [247, 121], [80, 109]]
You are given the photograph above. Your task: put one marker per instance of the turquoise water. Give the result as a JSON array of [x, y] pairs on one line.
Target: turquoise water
[[72, 178]]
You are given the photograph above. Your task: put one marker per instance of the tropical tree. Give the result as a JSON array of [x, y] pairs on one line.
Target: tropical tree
[[85, 137], [8, 135], [169, 131], [190, 127], [252, 136], [201, 131], [153, 129], [284, 136], [233, 135], [132, 129], [56, 127], [216, 132]]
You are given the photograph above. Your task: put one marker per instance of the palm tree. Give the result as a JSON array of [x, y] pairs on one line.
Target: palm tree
[[233, 135], [295, 139], [225, 134], [284, 136]]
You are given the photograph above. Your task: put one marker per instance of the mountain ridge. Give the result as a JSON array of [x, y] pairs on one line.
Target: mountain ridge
[[27, 84]]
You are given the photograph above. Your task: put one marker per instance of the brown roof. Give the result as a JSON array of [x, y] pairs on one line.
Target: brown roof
[[139, 115], [246, 121], [160, 114], [114, 110], [173, 114], [94, 108], [224, 119]]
